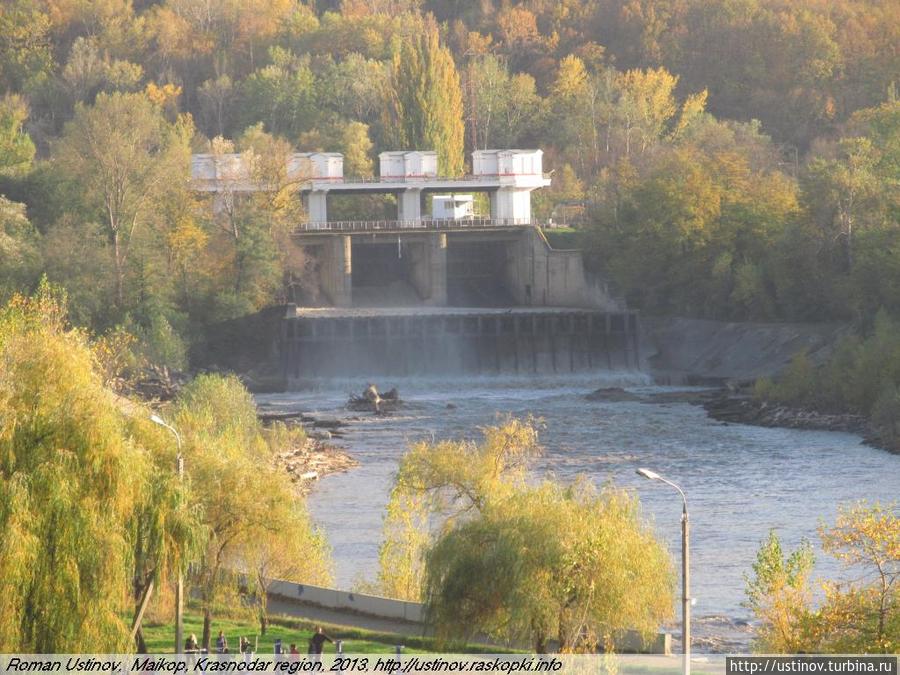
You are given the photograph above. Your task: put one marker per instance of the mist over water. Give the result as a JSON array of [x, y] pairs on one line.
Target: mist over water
[[741, 481]]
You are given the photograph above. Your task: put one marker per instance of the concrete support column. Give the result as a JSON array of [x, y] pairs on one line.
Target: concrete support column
[[220, 203], [428, 267], [437, 258], [524, 267], [409, 204], [317, 206], [336, 270], [511, 204]]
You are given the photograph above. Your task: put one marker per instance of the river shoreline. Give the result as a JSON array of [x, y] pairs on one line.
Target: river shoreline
[[739, 407], [314, 456], [745, 409]]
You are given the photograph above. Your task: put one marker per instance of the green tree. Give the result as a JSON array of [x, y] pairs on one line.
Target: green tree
[[356, 147], [167, 531], [779, 594], [501, 106], [16, 147], [270, 555], [401, 562], [354, 87], [20, 257], [425, 108], [839, 189], [569, 563], [124, 153], [255, 249], [646, 105], [89, 71], [244, 498], [856, 617], [518, 561], [282, 95], [864, 616], [26, 50]]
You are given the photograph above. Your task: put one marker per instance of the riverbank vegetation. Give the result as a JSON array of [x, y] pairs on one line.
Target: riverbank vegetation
[[490, 551], [94, 519], [862, 376], [861, 616]]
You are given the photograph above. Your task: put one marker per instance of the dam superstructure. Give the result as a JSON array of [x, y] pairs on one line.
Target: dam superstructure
[[413, 294]]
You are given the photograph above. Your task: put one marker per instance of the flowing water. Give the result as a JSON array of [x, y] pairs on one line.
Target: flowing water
[[741, 481]]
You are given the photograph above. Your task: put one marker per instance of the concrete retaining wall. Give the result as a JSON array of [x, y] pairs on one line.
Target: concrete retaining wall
[[695, 350], [413, 612], [539, 275], [332, 598]]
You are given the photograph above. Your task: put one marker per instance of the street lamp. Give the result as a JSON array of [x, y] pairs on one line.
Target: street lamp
[[179, 584], [685, 569]]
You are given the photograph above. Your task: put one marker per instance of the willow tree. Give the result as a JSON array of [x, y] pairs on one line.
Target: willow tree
[[440, 482], [167, 531], [90, 510], [68, 472], [519, 561], [245, 500], [425, 105], [569, 563]]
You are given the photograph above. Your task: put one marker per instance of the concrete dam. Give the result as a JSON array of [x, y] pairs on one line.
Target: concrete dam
[[445, 293], [456, 341]]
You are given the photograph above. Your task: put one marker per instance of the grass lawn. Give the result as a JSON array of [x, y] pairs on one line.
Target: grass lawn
[[160, 637]]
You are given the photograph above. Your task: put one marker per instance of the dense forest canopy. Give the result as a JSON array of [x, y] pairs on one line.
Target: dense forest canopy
[[722, 158]]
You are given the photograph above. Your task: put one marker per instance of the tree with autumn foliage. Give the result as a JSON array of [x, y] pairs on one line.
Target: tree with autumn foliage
[[91, 514], [492, 552], [861, 616], [124, 153]]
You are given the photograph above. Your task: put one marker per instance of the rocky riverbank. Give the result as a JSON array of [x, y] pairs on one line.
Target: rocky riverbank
[[312, 460], [735, 405], [744, 409], [313, 456]]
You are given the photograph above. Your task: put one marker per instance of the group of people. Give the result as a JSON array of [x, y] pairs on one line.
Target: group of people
[[316, 644]]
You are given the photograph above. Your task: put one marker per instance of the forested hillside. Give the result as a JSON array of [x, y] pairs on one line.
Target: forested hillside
[[721, 158]]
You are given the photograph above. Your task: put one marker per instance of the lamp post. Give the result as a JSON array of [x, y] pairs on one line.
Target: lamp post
[[685, 569], [179, 583]]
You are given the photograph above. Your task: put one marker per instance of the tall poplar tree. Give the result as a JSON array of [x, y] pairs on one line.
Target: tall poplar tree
[[425, 105]]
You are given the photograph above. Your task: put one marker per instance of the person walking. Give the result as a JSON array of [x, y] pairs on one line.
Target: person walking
[[317, 642]]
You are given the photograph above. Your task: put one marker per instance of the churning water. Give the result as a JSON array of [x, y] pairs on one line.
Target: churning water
[[741, 481]]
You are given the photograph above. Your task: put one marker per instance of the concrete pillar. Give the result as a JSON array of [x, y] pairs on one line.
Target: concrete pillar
[[317, 206], [437, 257], [428, 268], [409, 204], [220, 202], [511, 204], [336, 270], [524, 268], [347, 269]]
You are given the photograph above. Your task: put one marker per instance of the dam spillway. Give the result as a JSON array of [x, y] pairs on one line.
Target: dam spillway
[[423, 341]]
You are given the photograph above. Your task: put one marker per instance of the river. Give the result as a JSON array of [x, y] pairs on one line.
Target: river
[[741, 481]]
